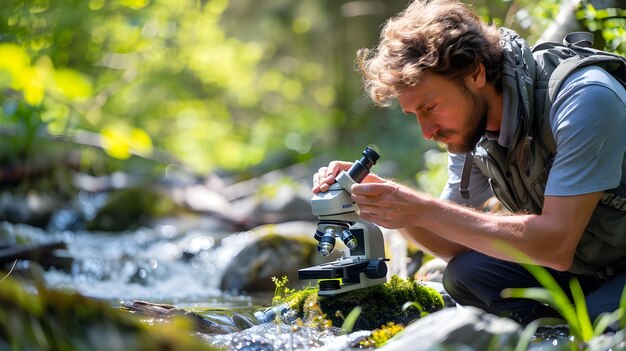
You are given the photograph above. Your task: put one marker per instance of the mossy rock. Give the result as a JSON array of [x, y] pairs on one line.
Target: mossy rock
[[380, 304], [130, 208], [56, 320], [278, 250]]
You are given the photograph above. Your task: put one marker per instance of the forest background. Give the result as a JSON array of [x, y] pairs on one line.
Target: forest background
[[235, 88]]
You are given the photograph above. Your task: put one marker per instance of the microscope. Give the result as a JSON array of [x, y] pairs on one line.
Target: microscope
[[363, 263]]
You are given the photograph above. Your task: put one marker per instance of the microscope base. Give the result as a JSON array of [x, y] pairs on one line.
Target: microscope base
[[353, 275]]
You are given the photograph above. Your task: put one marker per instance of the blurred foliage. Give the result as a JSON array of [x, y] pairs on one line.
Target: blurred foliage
[[435, 175], [610, 22], [243, 87], [55, 320]]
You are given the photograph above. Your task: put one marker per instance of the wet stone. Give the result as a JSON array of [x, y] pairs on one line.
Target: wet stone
[[277, 251], [257, 346]]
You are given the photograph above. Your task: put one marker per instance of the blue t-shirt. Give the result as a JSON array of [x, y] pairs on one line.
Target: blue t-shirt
[[588, 121]]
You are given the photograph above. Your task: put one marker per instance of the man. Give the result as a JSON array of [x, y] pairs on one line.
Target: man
[[478, 90]]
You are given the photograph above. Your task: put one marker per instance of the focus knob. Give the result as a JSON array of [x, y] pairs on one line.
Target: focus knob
[[376, 269]]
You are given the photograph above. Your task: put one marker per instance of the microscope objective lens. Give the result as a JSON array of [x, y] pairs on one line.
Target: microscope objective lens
[[349, 239]]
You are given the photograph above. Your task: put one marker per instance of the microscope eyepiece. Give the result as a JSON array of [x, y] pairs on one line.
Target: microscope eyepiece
[[361, 168]]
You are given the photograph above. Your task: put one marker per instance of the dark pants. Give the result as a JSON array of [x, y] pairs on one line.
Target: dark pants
[[475, 279]]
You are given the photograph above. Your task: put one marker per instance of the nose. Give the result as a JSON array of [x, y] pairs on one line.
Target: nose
[[428, 129]]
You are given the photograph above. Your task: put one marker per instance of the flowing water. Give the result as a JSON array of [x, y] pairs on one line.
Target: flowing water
[[159, 264]]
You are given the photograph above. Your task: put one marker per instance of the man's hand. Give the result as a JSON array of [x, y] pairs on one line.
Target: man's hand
[[387, 203], [325, 176]]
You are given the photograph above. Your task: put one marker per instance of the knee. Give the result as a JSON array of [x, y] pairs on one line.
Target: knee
[[458, 273]]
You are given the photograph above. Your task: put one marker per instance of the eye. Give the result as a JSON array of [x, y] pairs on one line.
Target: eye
[[430, 107]]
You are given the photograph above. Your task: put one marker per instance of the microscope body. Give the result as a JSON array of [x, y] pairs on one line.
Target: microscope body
[[363, 264]]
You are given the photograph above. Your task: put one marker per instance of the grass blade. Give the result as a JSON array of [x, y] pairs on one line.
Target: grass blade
[[348, 323], [580, 305], [622, 307]]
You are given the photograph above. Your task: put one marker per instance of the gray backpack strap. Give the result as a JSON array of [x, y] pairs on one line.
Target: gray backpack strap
[[465, 175], [607, 61], [580, 42], [558, 76]]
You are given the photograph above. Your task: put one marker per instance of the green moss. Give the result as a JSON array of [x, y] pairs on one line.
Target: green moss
[[380, 304], [381, 335]]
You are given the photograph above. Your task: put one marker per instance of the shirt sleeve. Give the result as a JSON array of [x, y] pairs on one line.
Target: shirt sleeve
[[480, 191], [588, 120]]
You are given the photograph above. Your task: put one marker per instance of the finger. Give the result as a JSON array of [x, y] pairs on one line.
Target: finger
[[369, 189], [321, 174], [366, 212], [326, 175], [373, 178], [335, 167], [318, 179]]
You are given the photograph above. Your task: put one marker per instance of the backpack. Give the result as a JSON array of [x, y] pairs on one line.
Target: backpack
[[575, 52]]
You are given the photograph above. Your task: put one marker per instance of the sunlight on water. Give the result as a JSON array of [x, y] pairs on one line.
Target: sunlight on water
[[278, 336], [154, 264]]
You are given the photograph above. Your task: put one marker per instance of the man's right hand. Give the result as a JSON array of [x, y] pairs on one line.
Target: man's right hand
[[325, 176]]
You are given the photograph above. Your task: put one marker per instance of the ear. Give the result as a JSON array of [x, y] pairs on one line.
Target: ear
[[478, 78]]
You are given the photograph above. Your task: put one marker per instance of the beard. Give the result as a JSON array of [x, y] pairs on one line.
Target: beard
[[474, 127]]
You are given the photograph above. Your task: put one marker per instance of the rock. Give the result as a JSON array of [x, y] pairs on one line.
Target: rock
[[466, 328], [50, 254], [129, 208], [432, 270], [33, 208], [279, 201], [396, 247], [210, 322], [415, 258], [278, 250]]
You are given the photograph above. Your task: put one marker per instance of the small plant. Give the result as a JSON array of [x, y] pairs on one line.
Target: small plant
[[348, 322], [415, 305], [575, 314], [281, 291], [381, 335]]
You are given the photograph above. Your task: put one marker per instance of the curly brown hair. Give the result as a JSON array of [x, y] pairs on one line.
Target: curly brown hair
[[441, 36]]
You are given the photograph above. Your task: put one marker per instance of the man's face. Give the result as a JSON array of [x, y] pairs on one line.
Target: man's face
[[447, 111]]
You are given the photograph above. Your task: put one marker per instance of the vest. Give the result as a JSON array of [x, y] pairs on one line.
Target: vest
[[518, 173]]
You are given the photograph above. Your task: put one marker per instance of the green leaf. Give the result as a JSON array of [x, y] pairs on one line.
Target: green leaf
[[348, 323], [604, 320], [14, 61], [73, 84], [412, 304], [622, 307], [581, 310], [526, 336], [121, 141], [537, 294]]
